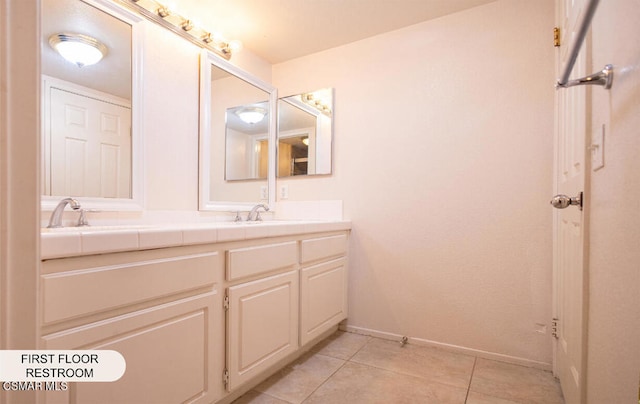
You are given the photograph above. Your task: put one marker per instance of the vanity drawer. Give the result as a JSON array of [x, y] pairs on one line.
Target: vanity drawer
[[249, 261], [108, 285], [323, 247]]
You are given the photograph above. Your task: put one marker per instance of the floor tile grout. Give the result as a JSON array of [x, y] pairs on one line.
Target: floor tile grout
[[337, 370], [473, 369], [324, 381]]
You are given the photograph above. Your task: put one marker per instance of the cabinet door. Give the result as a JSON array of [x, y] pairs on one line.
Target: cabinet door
[[168, 351], [323, 298], [262, 325]]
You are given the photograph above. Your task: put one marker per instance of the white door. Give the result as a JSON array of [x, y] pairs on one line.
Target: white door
[[570, 281], [90, 146]]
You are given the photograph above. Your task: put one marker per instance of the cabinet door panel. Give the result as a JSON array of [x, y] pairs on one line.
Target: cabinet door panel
[[167, 349], [323, 298], [262, 325]]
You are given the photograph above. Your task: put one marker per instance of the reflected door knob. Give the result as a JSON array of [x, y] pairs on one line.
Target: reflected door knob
[[562, 201]]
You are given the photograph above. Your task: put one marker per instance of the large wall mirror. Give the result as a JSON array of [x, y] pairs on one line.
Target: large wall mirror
[[305, 133], [237, 137], [91, 138]]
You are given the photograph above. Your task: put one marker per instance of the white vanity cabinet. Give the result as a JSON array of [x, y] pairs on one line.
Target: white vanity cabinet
[[197, 323], [158, 308]]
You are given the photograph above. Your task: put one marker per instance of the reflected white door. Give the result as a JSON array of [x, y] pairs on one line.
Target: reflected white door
[[570, 281], [90, 146]]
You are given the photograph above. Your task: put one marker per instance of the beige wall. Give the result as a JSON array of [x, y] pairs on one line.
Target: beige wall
[[19, 185], [614, 274], [444, 154]]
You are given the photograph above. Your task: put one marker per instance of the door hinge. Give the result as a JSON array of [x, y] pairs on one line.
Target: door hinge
[[225, 377], [556, 36], [554, 327], [225, 303]]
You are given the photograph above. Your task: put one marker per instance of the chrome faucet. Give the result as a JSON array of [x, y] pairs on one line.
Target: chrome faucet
[[254, 211], [56, 215]]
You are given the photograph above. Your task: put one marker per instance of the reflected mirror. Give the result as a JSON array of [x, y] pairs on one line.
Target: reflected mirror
[[237, 132], [305, 133], [89, 146]]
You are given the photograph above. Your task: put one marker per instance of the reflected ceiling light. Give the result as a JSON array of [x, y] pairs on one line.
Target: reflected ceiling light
[[79, 49], [251, 115], [305, 141]]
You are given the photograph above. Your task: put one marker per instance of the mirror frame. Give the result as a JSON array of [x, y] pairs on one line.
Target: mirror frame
[[136, 202], [208, 59]]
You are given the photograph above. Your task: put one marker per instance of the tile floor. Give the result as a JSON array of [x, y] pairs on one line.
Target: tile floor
[[357, 369]]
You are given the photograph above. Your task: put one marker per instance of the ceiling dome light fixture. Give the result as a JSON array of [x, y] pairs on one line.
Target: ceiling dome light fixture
[[79, 49], [251, 115]]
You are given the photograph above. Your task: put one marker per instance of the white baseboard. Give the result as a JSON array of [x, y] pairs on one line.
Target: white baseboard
[[449, 347]]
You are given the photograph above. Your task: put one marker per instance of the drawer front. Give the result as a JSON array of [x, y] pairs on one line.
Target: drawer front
[[324, 247], [249, 261], [92, 290]]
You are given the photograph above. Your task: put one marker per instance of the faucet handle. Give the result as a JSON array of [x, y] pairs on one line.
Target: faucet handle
[[82, 220]]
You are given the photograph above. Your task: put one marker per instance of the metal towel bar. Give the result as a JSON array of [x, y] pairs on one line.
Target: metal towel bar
[[603, 77]]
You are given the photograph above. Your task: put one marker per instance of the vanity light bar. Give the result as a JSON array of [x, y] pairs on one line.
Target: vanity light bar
[[182, 26], [319, 104]]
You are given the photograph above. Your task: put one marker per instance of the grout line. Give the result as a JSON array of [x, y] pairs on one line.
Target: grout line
[[369, 339], [471, 379], [337, 370], [274, 397], [325, 380]]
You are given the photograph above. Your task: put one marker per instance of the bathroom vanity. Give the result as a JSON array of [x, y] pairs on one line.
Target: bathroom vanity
[[201, 313]]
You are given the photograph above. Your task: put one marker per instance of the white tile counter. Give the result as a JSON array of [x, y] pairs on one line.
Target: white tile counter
[[75, 241]]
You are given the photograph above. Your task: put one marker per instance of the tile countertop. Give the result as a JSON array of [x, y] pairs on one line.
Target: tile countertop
[[75, 241]]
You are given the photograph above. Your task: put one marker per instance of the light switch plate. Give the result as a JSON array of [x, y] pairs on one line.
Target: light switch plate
[[597, 149]]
